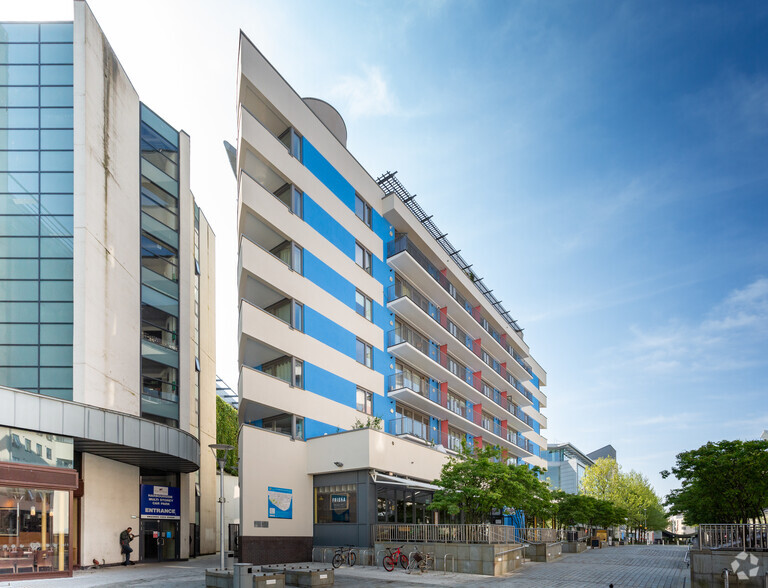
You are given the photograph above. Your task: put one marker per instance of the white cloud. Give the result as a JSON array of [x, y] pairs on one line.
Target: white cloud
[[727, 338], [365, 95]]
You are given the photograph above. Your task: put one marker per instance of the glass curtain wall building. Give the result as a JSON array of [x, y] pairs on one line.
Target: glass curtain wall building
[[36, 207], [107, 352]]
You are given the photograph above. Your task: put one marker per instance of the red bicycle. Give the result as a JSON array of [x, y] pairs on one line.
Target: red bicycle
[[392, 558]]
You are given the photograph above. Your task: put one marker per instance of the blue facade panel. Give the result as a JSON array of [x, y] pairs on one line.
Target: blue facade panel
[[328, 279], [313, 428], [317, 218], [328, 385], [328, 174], [323, 329]]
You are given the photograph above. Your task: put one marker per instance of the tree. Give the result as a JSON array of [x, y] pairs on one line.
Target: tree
[[725, 482], [227, 431], [477, 481], [602, 480]]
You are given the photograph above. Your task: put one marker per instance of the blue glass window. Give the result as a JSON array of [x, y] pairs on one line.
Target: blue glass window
[[59, 355], [56, 183], [18, 204], [53, 95], [19, 377], [19, 161], [56, 377], [55, 75], [18, 96], [55, 269], [56, 118], [52, 32], [54, 226], [13, 139], [10, 53], [18, 269], [56, 247], [19, 247], [20, 75], [18, 334], [56, 204], [18, 226], [56, 53], [18, 312], [19, 32], [56, 161], [56, 312], [54, 334], [18, 355], [56, 139], [18, 290], [19, 118]]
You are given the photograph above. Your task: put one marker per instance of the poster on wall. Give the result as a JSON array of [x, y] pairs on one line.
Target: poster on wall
[[340, 508], [279, 503], [160, 502]]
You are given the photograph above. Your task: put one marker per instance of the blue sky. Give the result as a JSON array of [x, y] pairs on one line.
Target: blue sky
[[604, 166]]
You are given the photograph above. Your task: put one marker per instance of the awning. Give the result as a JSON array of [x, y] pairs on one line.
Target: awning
[[381, 478]]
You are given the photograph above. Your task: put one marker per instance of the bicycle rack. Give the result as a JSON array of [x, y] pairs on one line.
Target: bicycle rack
[[445, 562], [364, 555], [314, 550], [375, 563], [331, 549]]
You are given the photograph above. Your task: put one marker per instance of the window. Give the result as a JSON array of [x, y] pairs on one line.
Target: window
[[363, 305], [297, 258], [362, 210], [363, 258], [364, 401], [39, 449], [298, 373], [456, 404], [364, 353], [48, 453], [336, 504], [454, 440], [27, 444], [298, 316]]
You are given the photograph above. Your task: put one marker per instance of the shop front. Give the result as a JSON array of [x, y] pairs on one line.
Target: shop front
[[37, 480], [160, 510]]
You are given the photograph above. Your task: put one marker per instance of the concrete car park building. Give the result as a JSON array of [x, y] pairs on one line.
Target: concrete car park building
[[369, 350], [107, 354]]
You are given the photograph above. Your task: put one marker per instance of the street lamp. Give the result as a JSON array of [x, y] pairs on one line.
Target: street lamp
[[216, 448], [645, 525]]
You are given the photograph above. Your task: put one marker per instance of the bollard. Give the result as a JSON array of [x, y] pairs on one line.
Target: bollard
[[229, 559], [243, 575], [725, 577]]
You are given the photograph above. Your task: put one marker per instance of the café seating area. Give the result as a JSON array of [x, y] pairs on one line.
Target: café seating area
[[23, 559]]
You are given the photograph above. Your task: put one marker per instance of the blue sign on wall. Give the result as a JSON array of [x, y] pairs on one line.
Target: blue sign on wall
[[160, 502], [279, 503]]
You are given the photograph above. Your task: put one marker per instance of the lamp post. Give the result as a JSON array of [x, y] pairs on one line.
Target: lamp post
[[216, 448], [645, 525]]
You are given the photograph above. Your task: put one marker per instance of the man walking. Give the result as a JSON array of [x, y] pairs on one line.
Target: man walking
[[125, 545]]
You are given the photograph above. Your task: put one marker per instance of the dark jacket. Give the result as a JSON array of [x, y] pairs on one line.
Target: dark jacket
[[125, 538]]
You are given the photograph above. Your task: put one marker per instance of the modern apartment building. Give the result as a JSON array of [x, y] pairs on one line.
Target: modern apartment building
[[566, 466], [107, 354], [369, 350]]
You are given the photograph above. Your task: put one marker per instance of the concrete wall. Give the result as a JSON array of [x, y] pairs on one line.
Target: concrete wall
[[471, 558], [106, 368], [279, 462], [745, 568], [110, 501]]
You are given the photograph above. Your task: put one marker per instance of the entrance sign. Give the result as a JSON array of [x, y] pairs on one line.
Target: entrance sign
[[160, 502], [279, 503]]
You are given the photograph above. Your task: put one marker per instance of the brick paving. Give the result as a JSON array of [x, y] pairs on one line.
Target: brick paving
[[625, 567]]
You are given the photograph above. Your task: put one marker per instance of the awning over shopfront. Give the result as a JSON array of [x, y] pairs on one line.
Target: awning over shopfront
[[113, 435], [381, 478]]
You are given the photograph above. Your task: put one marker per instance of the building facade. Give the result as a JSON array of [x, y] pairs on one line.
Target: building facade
[[107, 353], [566, 466], [369, 351]]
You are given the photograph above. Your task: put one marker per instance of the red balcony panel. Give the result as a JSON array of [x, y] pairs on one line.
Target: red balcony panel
[[477, 383], [444, 430], [476, 347], [444, 396], [504, 454], [444, 271], [443, 317], [504, 340], [476, 313], [444, 355], [504, 428], [478, 442]]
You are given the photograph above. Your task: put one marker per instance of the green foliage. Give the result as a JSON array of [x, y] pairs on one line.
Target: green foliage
[[477, 481], [580, 509], [631, 497], [227, 431], [370, 423], [725, 482]]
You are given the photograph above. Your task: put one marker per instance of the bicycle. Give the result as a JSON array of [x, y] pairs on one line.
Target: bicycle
[[421, 562], [343, 554], [393, 557]]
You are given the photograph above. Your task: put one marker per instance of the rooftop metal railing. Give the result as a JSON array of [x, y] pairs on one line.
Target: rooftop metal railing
[[742, 537]]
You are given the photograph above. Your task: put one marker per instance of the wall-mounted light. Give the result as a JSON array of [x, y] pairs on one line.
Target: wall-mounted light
[[338, 464], [32, 511]]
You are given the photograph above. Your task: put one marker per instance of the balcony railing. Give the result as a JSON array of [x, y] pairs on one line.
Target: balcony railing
[[402, 243], [738, 537], [400, 380], [159, 341], [406, 426]]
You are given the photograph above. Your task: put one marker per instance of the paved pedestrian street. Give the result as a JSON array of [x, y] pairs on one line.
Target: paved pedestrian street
[[628, 566], [624, 567]]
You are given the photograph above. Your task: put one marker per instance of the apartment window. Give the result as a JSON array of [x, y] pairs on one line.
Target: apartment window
[[297, 259], [298, 373], [364, 353], [362, 210], [27, 444], [364, 305], [39, 449], [364, 401], [454, 440], [48, 453], [298, 316], [486, 358], [453, 367], [456, 404], [292, 140], [486, 422], [363, 258]]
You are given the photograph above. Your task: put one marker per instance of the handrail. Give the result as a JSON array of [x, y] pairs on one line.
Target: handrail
[[445, 563]]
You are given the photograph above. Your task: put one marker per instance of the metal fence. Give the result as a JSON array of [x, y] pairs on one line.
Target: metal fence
[[403, 533], [741, 537]]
